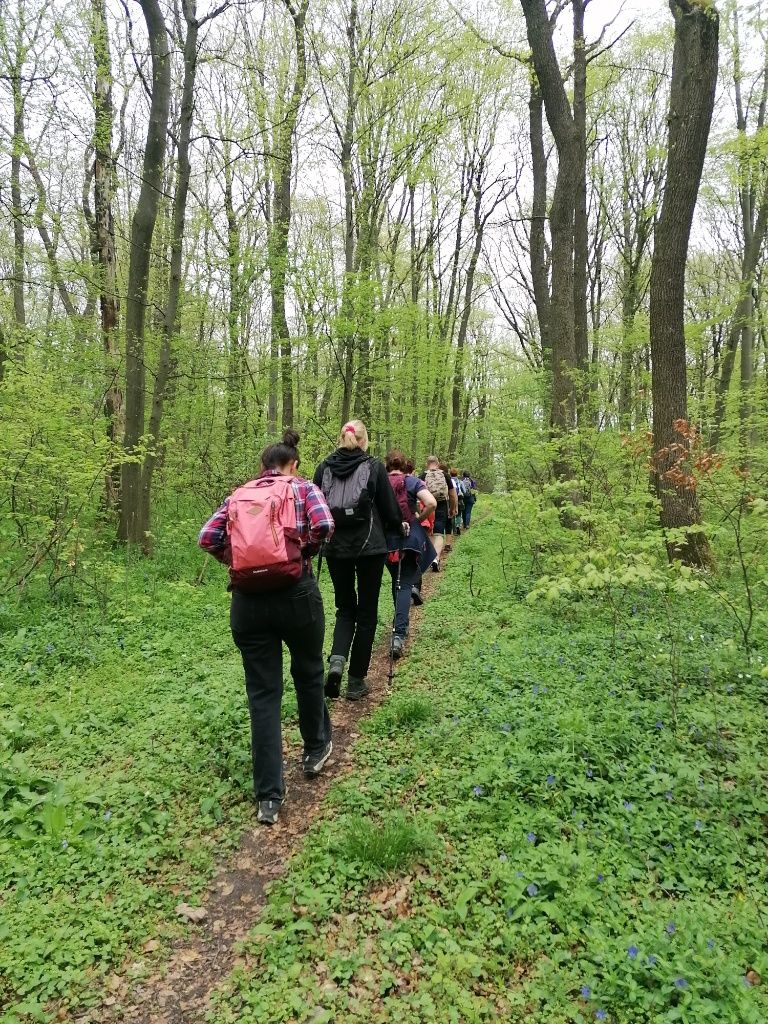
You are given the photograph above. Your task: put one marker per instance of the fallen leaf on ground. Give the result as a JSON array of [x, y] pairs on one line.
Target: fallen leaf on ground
[[193, 914], [151, 945]]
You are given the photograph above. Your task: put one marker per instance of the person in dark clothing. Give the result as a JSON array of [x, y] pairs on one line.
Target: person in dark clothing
[[470, 497], [411, 554], [262, 622], [364, 508]]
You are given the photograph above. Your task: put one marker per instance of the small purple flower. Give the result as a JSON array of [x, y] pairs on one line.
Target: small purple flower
[[586, 991], [710, 943], [699, 825], [669, 846], [600, 879], [652, 959], [531, 837], [590, 773], [478, 790], [505, 727], [632, 952], [510, 912], [600, 1014], [49, 648], [107, 815], [519, 874], [64, 844], [628, 805], [681, 983], [503, 856], [671, 928], [669, 795], [536, 691], [550, 780], [532, 889]]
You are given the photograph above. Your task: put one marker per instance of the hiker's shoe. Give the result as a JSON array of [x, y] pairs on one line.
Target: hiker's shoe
[[269, 811], [416, 596], [435, 566], [356, 688], [313, 764], [333, 679], [448, 547], [398, 642]]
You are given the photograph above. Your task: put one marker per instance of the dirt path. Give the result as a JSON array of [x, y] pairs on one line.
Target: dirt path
[[177, 991]]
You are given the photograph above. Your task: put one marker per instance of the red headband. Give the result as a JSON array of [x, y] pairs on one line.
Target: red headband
[[349, 428]]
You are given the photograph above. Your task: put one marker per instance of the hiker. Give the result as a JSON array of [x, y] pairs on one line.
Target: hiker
[[470, 497], [410, 555], [267, 532], [452, 506], [439, 486], [363, 505], [458, 486]]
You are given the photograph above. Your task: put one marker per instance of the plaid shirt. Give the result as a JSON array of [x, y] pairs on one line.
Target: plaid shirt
[[313, 521]]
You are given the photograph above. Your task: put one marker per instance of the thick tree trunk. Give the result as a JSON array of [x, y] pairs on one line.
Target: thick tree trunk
[[171, 310], [566, 135], [692, 96], [132, 528]]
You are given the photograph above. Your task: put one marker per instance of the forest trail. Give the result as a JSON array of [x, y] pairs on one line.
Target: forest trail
[[178, 990]]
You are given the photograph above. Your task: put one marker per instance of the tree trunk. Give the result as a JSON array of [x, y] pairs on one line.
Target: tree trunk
[[580, 224], [539, 256], [565, 132], [692, 96], [104, 238], [132, 528], [281, 213], [170, 312], [17, 147]]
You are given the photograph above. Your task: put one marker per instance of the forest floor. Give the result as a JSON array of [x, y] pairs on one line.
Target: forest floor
[[554, 816]]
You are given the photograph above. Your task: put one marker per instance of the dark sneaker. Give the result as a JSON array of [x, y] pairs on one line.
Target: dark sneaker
[[269, 811], [333, 679], [416, 596], [398, 642], [357, 688], [313, 764], [435, 566]]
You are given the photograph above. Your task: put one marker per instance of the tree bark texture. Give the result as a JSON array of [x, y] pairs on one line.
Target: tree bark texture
[[565, 133], [692, 96], [132, 528]]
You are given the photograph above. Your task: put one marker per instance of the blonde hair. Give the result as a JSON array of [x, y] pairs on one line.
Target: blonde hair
[[353, 435]]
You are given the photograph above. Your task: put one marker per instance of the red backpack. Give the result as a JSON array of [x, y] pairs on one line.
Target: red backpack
[[401, 493], [261, 524]]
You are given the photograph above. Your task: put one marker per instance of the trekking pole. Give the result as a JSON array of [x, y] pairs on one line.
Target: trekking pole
[[320, 554]]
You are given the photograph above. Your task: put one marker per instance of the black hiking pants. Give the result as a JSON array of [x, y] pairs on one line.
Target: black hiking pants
[[261, 623], [356, 609]]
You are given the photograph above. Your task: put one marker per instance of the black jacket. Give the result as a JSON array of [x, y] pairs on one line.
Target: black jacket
[[365, 538]]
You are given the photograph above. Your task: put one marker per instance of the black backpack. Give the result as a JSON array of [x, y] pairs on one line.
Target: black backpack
[[349, 498]]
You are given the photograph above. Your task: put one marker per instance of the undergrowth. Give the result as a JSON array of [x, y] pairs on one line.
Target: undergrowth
[[594, 776]]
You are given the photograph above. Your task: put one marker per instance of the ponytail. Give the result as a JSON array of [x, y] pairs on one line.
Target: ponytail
[[275, 456]]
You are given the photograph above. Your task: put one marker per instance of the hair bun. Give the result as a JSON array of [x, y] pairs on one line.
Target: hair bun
[[291, 438]]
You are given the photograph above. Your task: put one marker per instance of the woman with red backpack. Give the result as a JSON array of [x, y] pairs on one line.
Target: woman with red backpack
[[267, 532], [408, 556]]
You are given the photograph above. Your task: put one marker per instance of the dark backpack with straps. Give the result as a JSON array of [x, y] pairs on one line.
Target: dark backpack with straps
[[349, 498]]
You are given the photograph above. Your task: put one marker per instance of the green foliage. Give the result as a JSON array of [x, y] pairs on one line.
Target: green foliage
[[386, 846], [601, 833]]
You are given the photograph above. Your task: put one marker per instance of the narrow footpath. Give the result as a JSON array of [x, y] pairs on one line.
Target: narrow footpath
[[177, 990]]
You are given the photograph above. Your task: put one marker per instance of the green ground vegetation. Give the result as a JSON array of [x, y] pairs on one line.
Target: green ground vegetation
[[559, 816]]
